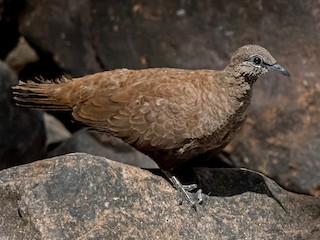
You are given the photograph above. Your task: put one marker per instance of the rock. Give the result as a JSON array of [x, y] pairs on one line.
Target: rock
[[283, 141], [102, 145], [66, 36], [55, 130], [21, 130], [83, 196], [9, 11], [281, 137], [111, 34], [22, 55]]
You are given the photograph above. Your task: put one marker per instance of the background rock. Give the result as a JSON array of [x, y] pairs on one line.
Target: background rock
[[88, 197], [22, 55], [65, 37], [9, 12], [103, 145], [22, 131], [56, 131]]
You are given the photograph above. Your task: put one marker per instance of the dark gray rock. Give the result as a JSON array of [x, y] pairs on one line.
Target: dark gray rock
[[55, 130], [62, 30], [98, 144], [88, 197], [9, 11], [22, 130]]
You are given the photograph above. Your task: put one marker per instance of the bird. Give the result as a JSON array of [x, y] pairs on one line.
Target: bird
[[169, 114]]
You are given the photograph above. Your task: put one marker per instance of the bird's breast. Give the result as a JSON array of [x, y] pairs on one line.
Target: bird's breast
[[221, 118], [217, 110]]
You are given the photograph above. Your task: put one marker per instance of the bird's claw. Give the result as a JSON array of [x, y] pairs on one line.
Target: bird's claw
[[186, 192], [194, 198]]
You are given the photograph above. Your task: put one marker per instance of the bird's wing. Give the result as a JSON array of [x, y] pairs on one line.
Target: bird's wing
[[158, 113]]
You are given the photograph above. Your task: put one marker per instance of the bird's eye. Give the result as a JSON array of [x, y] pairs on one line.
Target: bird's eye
[[256, 60]]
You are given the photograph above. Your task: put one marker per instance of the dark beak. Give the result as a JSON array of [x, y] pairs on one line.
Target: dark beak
[[277, 67]]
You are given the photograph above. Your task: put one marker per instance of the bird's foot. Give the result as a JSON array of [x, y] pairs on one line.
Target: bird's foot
[[186, 192]]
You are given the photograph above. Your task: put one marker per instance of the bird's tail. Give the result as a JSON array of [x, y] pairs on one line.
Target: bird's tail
[[45, 95]]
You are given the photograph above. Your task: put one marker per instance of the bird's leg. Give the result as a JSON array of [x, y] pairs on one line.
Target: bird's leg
[[185, 190]]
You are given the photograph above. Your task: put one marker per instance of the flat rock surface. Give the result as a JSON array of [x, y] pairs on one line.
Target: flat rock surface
[[80, 196]]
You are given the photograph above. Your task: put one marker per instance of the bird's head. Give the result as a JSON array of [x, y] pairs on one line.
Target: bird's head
[[251, 61]]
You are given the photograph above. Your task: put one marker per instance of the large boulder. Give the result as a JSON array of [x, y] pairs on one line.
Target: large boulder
[[88, 197]]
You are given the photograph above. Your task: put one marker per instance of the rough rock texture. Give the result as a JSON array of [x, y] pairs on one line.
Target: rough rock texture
[[22, 131], [102, 145], [87, 197], [281, 138], [137, 34]]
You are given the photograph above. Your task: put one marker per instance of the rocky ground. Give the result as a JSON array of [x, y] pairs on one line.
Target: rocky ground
[[90, 197]]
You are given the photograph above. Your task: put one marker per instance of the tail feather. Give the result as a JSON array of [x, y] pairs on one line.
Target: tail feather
[[40, 96]]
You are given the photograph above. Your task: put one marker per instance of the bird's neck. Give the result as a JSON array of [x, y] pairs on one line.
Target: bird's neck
[[249, 79], [242, 73], [240, 85]]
